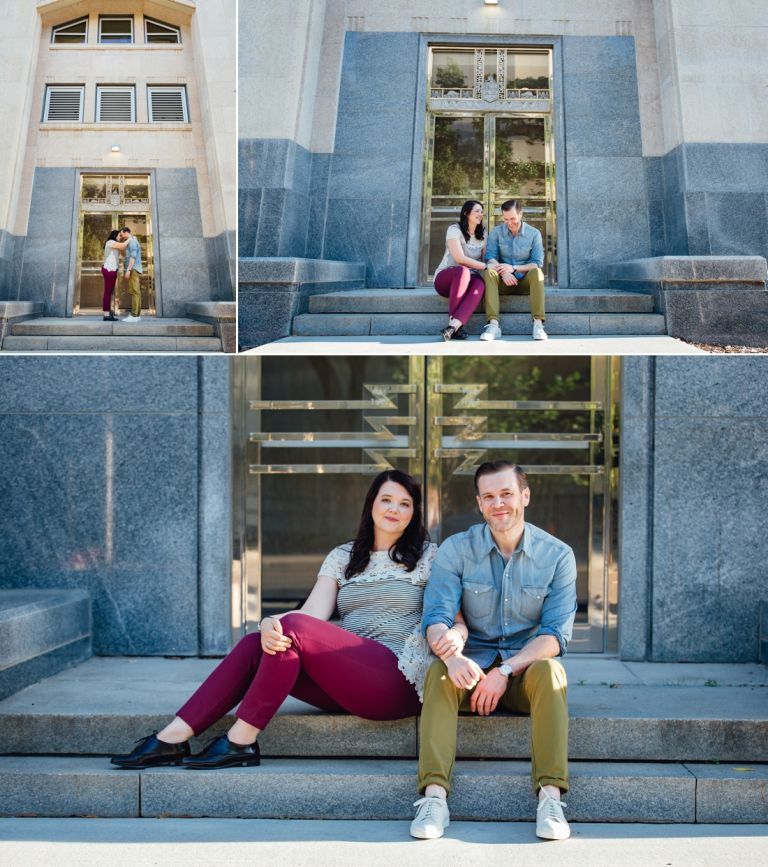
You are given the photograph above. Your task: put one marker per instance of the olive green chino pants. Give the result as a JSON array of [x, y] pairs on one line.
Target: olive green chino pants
[[541, 691], [531, 283]]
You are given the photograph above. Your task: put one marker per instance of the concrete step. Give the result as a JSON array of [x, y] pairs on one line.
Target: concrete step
[[424, 299], [42, 632], [376, 789], [406, 324], [619, 712], [95, 326], [92, 334]]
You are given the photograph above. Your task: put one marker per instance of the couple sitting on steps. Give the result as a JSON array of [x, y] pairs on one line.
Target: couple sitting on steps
[[496, 604], [509, 262]]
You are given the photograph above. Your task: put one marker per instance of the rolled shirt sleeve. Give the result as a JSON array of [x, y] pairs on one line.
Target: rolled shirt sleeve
[[492, 250], [537, 249], [442, 595], [559, 610]]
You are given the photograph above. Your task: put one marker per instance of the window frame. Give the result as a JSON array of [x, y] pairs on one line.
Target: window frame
[[172, 27], [49, 89], [100, 88], [65, 24], [168, 87], [103, 41]]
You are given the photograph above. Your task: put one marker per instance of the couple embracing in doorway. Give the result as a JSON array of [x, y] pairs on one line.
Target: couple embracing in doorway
[[122, 241]]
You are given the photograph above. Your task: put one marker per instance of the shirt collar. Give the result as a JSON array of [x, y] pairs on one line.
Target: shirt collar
[[526, 545], [523, 230]]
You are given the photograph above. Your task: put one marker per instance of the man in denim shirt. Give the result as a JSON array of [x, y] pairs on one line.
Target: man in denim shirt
[[131, 270], [516, 588], [514, 257]]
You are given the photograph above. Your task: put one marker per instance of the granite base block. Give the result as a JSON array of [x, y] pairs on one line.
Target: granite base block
[[718, 316], [736, 794], [68, 787], [45, 665]]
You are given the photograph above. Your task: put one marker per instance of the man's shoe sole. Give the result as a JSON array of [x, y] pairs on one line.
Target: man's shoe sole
[[554, 836], [425, 835]]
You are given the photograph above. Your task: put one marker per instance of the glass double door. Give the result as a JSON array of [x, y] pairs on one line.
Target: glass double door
[[490, 157], [110, 202], [312, 432]]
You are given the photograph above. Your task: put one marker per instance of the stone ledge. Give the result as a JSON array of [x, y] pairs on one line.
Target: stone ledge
[[692, 269], [278, 269], [222, 315]]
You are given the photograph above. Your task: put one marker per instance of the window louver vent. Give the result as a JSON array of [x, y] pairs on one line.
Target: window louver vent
[[167, 104], [64, 103], [115, 105]]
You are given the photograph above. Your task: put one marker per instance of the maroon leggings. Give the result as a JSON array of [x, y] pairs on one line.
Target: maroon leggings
[[462, 288], [110, 277], [326, 666]]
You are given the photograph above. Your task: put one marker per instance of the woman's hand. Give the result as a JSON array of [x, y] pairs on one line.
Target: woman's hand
[[272, 639], [450, 643]]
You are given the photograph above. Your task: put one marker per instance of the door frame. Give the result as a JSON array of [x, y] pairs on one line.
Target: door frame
[[74, 251], [425, 408]]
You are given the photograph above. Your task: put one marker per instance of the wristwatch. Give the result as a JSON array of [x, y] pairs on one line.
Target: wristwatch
[[505, 669]]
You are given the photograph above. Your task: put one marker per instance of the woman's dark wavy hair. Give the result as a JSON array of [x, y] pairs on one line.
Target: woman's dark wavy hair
[[409, 547], [466, 209], [113, 235]]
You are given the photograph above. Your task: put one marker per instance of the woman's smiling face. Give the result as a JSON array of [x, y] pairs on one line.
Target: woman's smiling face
[[392, 509]]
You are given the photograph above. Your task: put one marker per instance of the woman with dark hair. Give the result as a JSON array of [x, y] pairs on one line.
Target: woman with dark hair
[[372, 664], [109, 272], [457, 277]]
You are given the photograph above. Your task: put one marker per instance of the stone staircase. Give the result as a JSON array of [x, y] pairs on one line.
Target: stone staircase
[[420, 311], [648, 743], [92, 334], [42, 632]]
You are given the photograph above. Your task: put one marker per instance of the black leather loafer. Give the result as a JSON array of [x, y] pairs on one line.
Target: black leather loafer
[[149, 752], [222, 753], [460, 334], [448, 332]]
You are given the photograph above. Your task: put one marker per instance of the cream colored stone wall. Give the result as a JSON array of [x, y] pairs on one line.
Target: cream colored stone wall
[[213, 29], [280, 54], [142, 144], [713, 62], [19, 42]]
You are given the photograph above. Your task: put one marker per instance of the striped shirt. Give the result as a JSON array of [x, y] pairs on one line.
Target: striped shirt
[[384, 602]]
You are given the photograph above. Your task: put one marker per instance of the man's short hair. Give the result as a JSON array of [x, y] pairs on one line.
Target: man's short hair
[[126, 229], [512, 204], [490, 467]]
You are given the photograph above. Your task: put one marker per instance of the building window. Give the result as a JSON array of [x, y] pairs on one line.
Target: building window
[[156, 31], [72, 31], [168, 105], [115, 28], [64, 103], [115, 104]]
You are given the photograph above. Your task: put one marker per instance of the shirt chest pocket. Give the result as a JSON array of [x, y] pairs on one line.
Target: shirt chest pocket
[[477, 600], [531, 601]]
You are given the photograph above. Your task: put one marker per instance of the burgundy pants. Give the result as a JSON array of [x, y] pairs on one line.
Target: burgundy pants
[[462, 288], [326, 666], [109, 287]]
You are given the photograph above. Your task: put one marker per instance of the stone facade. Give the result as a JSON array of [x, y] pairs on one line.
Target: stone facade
[[119, 477], [659, 151], [191, 165]]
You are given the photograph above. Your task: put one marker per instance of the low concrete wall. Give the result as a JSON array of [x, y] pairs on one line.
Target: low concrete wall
[[712, 299], [272, 291]]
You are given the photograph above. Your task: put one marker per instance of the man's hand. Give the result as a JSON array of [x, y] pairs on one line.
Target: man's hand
[[487, 694], [127, 274], [463, 672], [449, 643], [509, 279]]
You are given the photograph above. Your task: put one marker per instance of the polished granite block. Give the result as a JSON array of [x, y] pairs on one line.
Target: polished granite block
[[264, 313], [618, 136], [588, 54], [609, 179], [248, 210], [738, 223], [724, 317], [736, 167], [696, 217], [110, 505], [178, 205], [710, 489], [356, 177], [293, 224], [378, 69], [359, 133]]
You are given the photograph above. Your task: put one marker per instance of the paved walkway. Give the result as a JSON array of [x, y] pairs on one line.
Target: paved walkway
[[292, 843], [516, 345]]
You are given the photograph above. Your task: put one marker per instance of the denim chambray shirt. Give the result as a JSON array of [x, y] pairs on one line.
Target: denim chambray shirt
[[520, 249], [505, 605], [133, 249]]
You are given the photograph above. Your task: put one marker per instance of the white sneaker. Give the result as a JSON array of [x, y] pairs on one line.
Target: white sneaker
[[491, 332], [550, 821], [431, 820], [131, 318], [538, 330]]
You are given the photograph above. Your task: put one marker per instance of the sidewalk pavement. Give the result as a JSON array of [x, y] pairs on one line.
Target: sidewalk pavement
[[430, 344], [315, 843]]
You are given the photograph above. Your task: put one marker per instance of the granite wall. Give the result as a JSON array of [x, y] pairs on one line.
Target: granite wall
[[694, 465], [116, 479], [11, 247], [188, 266]]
